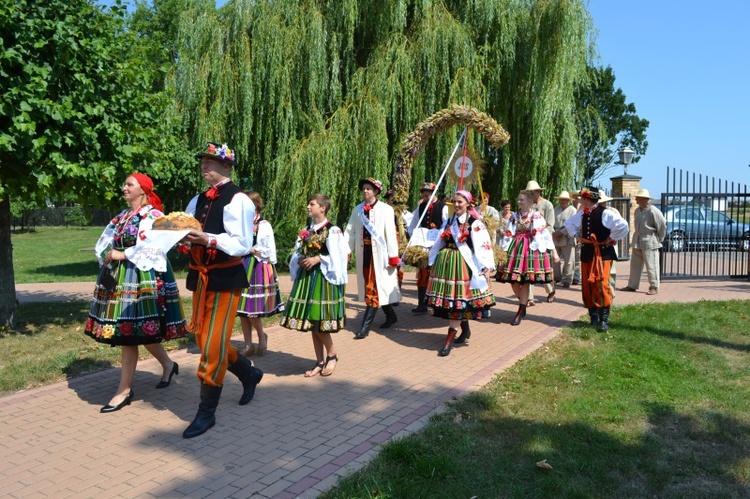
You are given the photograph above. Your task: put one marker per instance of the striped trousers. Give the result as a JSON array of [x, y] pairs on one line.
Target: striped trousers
[[213, 338]]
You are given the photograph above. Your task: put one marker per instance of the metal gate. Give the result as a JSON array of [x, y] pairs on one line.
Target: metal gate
[[708, 227]]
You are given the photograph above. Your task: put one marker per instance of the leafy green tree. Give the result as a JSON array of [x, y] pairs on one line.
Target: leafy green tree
[[606, 122], [76, 115], [315, 94]]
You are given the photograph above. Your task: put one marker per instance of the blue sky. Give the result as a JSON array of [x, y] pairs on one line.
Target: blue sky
[[686, 67]]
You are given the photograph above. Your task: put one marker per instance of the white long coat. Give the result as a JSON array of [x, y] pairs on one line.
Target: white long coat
[[386, 276]]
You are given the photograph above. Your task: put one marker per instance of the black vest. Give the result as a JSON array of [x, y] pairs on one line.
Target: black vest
[[435, 216], [592, 224], [211, 216]]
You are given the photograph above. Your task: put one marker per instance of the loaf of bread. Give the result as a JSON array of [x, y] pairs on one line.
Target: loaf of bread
[[177, 220]]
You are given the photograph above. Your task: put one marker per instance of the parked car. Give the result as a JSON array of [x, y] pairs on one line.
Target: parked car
[[696, 227]]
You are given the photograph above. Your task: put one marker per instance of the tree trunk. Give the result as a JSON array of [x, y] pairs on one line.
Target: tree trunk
[[7, 276]]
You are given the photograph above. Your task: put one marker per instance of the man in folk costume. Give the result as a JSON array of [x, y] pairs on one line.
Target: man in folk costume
[[217, 279], [603, 200], [547, 211], [371, 232], [564, 244], [598, 230], [437, 213]]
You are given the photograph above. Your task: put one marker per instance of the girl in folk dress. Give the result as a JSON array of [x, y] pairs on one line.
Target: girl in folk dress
[[318, 267], [461, 261], [262, 297], [136, 300], [529, 246]]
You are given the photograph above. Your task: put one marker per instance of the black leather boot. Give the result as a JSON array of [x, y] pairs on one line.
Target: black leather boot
[[604, 319], [465, 333], [443, 352], [520, 314], [364, 329], [421, 301], [390, 317], [249, 375], [205, 419], [594, 315]]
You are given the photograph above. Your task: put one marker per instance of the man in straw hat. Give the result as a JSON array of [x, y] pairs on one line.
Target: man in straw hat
[[564, 243], [545, 208], [575, 200], [650, 230], [371, 232], [598, 230], [437, 213], [603, 200], [217, 279]]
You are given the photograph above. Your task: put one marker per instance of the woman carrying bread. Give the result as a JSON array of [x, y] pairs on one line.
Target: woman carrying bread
[[136, 300], [262, 297]]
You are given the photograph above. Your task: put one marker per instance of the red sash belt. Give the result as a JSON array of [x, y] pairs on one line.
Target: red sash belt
[[597, 264]]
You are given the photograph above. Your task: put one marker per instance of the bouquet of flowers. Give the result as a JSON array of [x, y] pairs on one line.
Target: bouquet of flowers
[[311, 242]]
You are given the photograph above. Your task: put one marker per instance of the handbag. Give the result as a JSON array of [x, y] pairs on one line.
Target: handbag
[[109, 277]]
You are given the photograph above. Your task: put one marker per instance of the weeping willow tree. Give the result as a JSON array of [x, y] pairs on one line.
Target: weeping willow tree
[[315, 94]]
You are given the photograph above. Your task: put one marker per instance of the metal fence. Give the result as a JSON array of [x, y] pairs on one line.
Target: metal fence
[[708, 227]]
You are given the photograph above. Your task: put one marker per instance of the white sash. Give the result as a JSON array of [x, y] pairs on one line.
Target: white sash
[[478, 281], [374, 235]]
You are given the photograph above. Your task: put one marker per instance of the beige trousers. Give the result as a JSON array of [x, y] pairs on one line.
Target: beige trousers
[[639, 257], [565, 267]]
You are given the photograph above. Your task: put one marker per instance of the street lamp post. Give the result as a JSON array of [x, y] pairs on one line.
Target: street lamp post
[[626, 157]]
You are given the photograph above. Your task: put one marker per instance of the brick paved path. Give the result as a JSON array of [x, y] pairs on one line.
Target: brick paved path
[[299, 435]]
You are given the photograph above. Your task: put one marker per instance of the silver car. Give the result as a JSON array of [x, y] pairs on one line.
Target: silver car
[[695, 227]]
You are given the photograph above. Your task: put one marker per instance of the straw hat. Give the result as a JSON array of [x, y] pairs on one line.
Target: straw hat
[[603, 198], [564, 195], [533, 186], [643, 193]]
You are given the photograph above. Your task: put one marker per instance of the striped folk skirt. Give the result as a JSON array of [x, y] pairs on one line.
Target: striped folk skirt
[[262, 297], [449, 292], [524, 264], [144, 308], [314, 303]]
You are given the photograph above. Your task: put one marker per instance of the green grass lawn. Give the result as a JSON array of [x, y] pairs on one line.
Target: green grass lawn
[[59, 254], [656, 408]]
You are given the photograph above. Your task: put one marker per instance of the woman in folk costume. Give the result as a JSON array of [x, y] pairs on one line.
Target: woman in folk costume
[[529, 246], [318, 268], [371, 232], [461, 261], [262, 297], [136, 300]]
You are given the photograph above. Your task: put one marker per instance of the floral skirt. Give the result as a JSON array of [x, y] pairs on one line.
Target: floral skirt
[[262, 296], [144, 308], [314, 303], [524, 264], [449, 292]]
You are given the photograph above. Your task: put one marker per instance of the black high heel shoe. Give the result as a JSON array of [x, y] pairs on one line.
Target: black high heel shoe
[[126, 401], [175, 370], [519, 315]]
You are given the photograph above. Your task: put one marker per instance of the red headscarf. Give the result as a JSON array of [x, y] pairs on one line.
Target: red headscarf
[[148, 189]]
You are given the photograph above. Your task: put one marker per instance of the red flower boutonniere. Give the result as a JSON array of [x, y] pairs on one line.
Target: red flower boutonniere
[[508, 234], [446, 234], [464, 236], [182, 248], [212, 193], [586, 211]]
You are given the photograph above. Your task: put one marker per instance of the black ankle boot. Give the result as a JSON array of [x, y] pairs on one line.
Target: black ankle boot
[[465, 333], [520, 314], [604, 319], [205, 419], [390, 317], [594, 316], [249, 375], [421, 301], [443, 352], [364, 329]]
